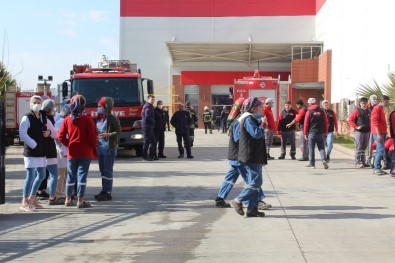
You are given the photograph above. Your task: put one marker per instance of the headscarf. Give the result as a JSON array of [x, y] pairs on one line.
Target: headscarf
[[250, 103], [235, 111], [35, 97], [48, 105], [65, 110], [77, 106]]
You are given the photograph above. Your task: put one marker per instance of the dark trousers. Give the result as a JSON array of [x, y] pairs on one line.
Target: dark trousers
[[288, 136], [160, 141], [149, 142], [313, 139], [207, 125], [44, 183], [191, 135], [184, 137]]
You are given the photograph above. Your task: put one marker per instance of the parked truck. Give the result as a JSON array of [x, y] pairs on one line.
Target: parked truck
[[264, 87], [120, 80], [17, 104]]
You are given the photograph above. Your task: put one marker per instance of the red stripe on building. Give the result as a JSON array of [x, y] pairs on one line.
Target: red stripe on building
[[219, 8], [223, 77]]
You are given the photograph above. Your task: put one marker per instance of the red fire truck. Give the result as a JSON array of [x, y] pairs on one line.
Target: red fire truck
[[264, 87], [124, 84], [17, 104]]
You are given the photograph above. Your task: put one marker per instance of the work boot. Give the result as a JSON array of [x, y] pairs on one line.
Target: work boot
[[238, 207], [255, 213], [220, 202]]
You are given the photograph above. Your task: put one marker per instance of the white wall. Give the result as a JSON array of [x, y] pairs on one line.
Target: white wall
[[359, 32]]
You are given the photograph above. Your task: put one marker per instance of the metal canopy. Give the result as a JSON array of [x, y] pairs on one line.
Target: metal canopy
[[241, 52]]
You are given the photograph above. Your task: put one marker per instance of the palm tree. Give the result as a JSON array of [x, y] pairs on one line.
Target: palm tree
[[6, 79]]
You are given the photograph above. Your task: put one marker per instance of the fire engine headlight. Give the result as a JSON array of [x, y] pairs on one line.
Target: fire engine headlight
[[138, 136], [137, 124]]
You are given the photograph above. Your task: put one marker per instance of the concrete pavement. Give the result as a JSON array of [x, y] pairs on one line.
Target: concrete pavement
[[163, 211]]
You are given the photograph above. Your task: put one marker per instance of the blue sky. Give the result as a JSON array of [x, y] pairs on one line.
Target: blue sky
[[47, 37]]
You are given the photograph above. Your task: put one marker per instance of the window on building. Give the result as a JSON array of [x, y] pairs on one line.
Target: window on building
[[220, 96], [192, 94]]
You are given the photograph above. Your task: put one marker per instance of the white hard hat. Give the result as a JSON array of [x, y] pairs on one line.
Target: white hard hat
[[205, 108], [311, 101]]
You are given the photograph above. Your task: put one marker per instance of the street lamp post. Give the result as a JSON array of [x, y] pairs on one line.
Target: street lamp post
[[41, 78]]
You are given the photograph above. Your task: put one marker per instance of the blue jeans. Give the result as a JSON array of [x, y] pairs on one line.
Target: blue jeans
[[329, 143], [106, 164], [53, 178], [77, 169], [230, 180], [34, 177], [318, 139], [252, 173], [379, 151]]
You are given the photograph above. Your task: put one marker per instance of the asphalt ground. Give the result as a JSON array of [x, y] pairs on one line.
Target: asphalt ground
[[163, 211]]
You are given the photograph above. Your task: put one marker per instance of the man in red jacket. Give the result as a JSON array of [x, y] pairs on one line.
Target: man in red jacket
[[378, 125], [270, 128], [315, 129]]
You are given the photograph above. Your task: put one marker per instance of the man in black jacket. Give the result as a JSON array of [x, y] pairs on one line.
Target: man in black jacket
[[182, 122], [287, 132], [159, 129]]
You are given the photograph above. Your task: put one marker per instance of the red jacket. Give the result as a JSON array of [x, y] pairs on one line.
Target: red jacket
[[267, 111], [300, 115], [377, 120], [80, 138], [307, 122]]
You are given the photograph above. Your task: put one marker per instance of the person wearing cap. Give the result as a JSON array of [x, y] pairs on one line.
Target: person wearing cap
[[182, 121], [372, 102], [109, 132], [315, 129], [79, 134], [300, 119], [159, 130], [148, 125], [48, 107], [195, 122], [61, 153], [247, 149], [378, 127], [207, 118], [224, 117], [359, 120], [270, 125], [33, 131], [287, 133], [332, 128]]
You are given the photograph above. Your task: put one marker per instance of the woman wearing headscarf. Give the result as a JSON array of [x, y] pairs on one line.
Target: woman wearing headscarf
[[248, 146], [48, 108], [78, 133], [109, 131], [61, 154], [33, 131]]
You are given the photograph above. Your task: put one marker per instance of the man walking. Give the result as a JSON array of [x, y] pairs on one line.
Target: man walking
[[332, 128], [287, 134], [300, 119], [378, 126], [359, 120], [315, 128], [148, 124], [181, 120]]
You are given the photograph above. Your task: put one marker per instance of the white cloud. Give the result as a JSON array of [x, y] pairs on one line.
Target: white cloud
[[97, 16]]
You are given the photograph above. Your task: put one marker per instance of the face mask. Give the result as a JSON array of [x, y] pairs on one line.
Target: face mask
[[374, 103], [258, 116], [35, 107], [100, 110], [160, 106]]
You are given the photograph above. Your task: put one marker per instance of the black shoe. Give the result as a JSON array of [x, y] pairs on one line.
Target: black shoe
[[154, 157], [269, 157], [303, 159], [189, 156], [222, 203], [162, 156], [181, 156], [328, 158], [149, 158], [293, 157], [281, 157], [103, 196], [255, 213], [42, 195], [238, 207]]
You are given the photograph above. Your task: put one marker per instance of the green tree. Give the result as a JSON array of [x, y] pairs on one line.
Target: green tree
[[6, 79]]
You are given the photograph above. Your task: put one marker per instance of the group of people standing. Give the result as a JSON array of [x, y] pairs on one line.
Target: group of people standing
[[65, 144]]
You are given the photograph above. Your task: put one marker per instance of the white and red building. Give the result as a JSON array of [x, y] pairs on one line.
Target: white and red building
[[193, 50]]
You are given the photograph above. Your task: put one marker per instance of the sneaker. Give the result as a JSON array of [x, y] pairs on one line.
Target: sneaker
[[190, 157], [56, 201], [255, 213], [222, 203], [303, 159], [281, 157], [379, 172], [325, 163], [359, 165], [238, 207], [103, 196], [84, 204], [27, 207], [264, 206], [42, 195], [36, 204], [312, 166], [181, 156]]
